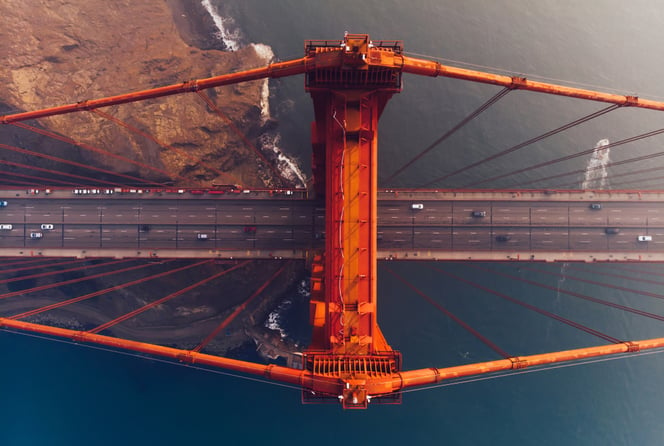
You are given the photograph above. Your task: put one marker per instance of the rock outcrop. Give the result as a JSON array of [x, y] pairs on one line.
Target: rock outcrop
[[59, 52]]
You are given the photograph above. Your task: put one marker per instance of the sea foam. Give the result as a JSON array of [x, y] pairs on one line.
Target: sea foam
[[232, 38], [596, 174]]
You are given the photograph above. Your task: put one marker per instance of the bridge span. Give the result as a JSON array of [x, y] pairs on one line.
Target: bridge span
[[412, 224]]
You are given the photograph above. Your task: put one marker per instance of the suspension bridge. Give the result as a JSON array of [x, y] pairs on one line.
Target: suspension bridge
[[342, 225]]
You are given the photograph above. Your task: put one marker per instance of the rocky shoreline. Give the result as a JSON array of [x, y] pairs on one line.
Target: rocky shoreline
[[62, 53]]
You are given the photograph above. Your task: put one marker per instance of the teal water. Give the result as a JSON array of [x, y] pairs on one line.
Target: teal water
[[60, 394]]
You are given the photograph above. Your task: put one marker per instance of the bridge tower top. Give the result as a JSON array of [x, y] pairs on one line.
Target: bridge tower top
[[350, 84]]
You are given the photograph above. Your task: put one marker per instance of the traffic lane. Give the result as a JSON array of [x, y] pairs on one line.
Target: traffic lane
[[509, 215], [548, 239], [465, 238], [432, 238]]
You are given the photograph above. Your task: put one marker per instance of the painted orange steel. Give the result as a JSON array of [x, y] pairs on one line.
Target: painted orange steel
[[430, 68], [274, 372], [421, 377], [349, 96], [278, 69], [350, 81], [330, 384]]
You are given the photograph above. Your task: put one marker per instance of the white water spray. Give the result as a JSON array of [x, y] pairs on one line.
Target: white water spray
[[596, 175], [232, 38]]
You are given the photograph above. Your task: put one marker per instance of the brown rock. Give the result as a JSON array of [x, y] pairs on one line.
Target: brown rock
[[59, 52]]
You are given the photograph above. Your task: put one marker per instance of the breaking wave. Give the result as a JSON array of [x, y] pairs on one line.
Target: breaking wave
[[232, 37], [596, 174], [227, 31], [275, 319], [287, 165]]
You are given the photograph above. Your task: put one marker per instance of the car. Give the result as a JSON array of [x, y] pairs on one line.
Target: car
[[3, 204], [417, 206], [612, 231], [595, 206], [644, 238], [144, 228], [202, 236], [478, 214], [36, 235], [6, 227], [47, 227], [503, 238], [250, 229]]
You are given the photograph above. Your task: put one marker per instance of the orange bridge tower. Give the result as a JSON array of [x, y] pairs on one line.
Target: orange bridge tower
[[352, 81]]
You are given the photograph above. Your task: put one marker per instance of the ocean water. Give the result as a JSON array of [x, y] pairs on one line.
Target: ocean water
[[61, 394]]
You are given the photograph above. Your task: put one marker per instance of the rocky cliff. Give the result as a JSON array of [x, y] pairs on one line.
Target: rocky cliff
[[62, 51]]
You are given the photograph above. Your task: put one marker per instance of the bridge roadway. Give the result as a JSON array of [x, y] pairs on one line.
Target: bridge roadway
[[539, 225]]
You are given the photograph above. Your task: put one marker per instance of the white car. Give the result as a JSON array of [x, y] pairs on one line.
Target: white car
[[644, 238], [202, 236], [47, 227], [417, 206], [35, 235], [6, 227]]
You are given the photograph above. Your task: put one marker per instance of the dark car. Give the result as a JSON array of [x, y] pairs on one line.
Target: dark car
[[612, 230], [503, 238], [478, 214], [595, 206]]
